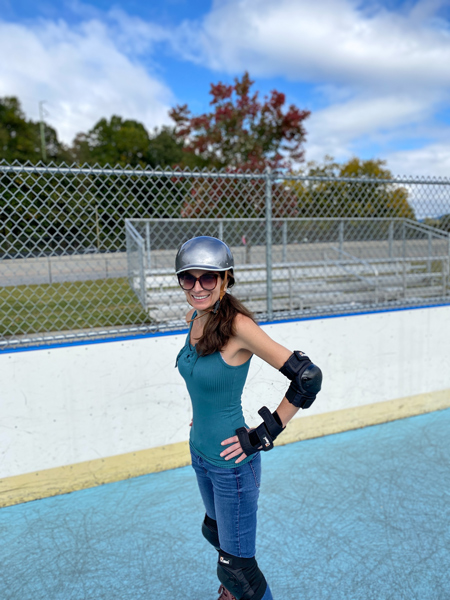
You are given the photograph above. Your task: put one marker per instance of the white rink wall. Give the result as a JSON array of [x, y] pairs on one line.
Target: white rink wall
[[65, 405]]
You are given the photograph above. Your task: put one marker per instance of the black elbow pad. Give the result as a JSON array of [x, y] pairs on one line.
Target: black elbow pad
[[306, 379]]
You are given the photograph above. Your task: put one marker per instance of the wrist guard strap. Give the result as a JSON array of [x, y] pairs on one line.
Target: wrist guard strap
[[263, 436]]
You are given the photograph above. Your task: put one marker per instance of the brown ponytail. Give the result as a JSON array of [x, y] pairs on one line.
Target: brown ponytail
[[220, 327]]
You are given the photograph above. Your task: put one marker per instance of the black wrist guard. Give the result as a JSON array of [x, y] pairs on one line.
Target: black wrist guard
[[264, 435], [306, 379]]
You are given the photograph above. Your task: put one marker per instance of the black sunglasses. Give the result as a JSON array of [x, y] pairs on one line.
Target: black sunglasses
[[208, 281]]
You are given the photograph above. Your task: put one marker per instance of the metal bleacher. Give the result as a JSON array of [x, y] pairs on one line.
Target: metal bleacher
[[366, 274]]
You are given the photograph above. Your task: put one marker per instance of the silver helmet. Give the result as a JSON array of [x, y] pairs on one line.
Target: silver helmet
[[205, 253]]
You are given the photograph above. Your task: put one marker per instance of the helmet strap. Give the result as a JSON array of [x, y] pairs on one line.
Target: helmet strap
[[223, 289]]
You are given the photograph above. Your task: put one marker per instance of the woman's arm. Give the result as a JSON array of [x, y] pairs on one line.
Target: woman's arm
[[253, 338], [249, 336]]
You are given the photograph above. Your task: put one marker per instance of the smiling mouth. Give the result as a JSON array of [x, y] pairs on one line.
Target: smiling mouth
[[199, 297]]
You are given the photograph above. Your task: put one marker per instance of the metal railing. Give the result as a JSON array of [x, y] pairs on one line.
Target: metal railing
[[358, 261], [88, 252], [315, 276]]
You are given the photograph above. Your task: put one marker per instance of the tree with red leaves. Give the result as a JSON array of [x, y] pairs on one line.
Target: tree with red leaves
[[241, 132]]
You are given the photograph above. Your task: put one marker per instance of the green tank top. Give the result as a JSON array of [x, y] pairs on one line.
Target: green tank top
[[215, 389]]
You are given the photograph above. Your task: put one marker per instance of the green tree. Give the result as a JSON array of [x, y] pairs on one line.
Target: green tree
[[56, 151], [114, 142], [17, 135], [127, 142], [444, 222], [439, 222], [357, 188], [166, 150], [20, 139]]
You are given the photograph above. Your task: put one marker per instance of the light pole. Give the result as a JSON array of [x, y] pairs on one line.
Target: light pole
[[42, 128]]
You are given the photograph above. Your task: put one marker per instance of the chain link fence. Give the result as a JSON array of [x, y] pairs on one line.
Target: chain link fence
[[89, 252]]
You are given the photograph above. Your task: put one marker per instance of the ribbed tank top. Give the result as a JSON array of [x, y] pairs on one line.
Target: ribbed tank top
[[215, 389]]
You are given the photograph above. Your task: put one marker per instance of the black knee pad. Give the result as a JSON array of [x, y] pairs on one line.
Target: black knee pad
[[241, 576], [210, 533]]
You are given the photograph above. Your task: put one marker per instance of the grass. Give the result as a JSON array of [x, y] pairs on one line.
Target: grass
[[54, 307]]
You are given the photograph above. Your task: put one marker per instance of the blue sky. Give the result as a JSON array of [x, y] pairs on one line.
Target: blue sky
[[375, 74]]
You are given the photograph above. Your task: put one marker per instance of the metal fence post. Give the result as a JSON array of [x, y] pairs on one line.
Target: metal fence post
[[142, 276], [284, 257], [404, 239], [97, 227], [147, 245], [220, 234], [430, 252], [341, 236], [269, 243], [404, 279], [447, 273], [448, 243], [391, 237]]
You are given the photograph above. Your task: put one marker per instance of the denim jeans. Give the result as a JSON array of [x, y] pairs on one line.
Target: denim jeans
[[230, 497]]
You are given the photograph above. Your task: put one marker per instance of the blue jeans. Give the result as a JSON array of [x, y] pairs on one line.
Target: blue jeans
[[230, 497]]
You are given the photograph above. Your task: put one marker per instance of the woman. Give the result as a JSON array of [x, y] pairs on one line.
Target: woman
[[226, 455]]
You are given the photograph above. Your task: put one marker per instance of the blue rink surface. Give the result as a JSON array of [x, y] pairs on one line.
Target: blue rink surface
[[361, 515]]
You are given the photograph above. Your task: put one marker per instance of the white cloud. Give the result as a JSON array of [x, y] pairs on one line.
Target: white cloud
[[387, 69], [334, 130], [81, 73], [431, 159], [133, 34], [326, 40], [386, 122], [380, 74]]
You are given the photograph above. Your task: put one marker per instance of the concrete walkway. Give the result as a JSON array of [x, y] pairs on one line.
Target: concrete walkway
[[362, 515]]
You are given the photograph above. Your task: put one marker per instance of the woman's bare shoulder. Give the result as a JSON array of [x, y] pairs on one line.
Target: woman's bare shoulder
[[250, 336], [244, 325], [189, 315]]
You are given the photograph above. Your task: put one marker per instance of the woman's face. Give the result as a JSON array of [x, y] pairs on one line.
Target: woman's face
[[198, 297]]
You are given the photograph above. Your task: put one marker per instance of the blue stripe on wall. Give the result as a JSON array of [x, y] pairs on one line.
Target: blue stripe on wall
[[184, 330]]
